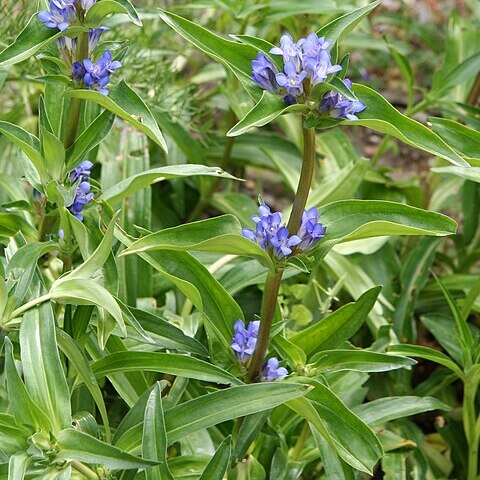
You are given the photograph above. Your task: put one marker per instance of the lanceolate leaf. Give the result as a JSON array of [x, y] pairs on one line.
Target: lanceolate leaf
[[170, 363], [76, 445], [236, 56], [127, 104], [382, 116], [32, 38], [268, 108], [100, 10], [137, 182], [337, 327], [218, 465], [348, 220], [341, 26], [43, 372], [154, 443], [234, 402], [220, 235]]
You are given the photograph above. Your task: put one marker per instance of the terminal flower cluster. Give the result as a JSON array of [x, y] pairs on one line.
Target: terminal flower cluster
[[274, 237], [244, 342], [63, 13], [81, 175], [306, 63]]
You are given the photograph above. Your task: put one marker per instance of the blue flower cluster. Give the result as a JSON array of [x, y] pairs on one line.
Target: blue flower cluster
[[63, 13], [96, 75], [274, 237], [307, 60], [83, 195], [243, 344]]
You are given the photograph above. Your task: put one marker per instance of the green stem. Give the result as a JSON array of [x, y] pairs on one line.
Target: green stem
[[298, 449], [470, 424], [274, 279], [32, 303], [84, 470], [305, 181], [75, 103]]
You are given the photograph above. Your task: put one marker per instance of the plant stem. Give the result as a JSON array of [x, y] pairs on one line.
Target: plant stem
[[84, 470], [269, 303], [29, 305], [75, 103], [274, 279], [470, 425], [297, 451], [305, 181]]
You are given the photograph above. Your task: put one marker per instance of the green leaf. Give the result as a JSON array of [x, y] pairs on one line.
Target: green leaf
[[77, 358], [42, 370], [97, 13], [53, 153], [154, 440], [428, 354], [383, 410], [32, 38], [380, 115], [358, 360], [349, 220], [337, 327], [213, 408], [337, 29], [17, 466], [90, 138], [24, 410], [27, 142], [220, 235], [236, 56], [127, 104], [142, 180], [169, 363], [268, 108], [472, 173], [76, 445], [218, 465], [353, 440]]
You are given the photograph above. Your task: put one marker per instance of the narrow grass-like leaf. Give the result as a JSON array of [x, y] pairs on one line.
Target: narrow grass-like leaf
[[170, 363], [154, 443], [218, 465], [220, 235], [126, 104]]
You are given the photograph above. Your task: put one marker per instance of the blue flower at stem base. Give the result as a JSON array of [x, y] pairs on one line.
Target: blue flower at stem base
[[272, 370], [338, 106]]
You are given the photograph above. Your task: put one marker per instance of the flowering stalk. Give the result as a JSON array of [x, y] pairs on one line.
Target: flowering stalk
[[76, 103], [274, 279]]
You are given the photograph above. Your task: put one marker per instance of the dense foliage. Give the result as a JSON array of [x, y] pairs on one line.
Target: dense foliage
[[240, 239]]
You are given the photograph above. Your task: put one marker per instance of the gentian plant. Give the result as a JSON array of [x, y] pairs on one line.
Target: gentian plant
[[155, 325]]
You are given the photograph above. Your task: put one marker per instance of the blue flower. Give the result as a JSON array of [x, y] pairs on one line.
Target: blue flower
[[290, 50], [94, 37], [316, 58], [291, 80], [60, 15], [83, 169], [82, 194], [311, 230], [264, 72], [272, 370], [339, 106], [244, 339], [270, 234]]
